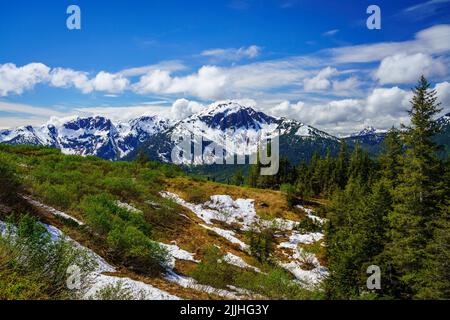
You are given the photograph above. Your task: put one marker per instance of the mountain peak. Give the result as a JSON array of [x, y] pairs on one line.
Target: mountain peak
[[232, 114]]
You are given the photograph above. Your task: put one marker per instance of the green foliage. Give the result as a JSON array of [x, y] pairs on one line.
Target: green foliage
[[127, 233], [9, 182], [276, 283], [117, 292], [261, 243], [33, 266], [212, 271], [289, 191]]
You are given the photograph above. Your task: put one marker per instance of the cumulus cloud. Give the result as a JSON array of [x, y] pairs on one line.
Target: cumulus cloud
[[208, 83], [382, 108], [183, 108], [64, 78], [16, 80], [108, 82], [403, 68], [320, 81]]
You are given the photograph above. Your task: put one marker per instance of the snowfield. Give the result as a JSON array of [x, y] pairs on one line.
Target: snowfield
[[243, 214]]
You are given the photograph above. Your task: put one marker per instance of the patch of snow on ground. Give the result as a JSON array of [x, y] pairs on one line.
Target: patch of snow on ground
[[52, 210], [297, 238], [279, 224], [238, 262], [309, 214], [241, 211], [191, 283], [308, 277], [221, 208], [176, 253], [229, 235], [97, 280], [138, 289], [128, 207]]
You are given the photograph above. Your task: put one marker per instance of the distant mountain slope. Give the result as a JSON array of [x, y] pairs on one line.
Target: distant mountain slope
[[241, 127], [96, 136]]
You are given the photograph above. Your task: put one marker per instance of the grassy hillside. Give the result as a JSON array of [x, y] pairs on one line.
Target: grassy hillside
[[124, 217]]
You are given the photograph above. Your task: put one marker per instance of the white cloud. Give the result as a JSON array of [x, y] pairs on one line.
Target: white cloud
[[383, 108], [320, 81], [330, 33], [443, 94], [233, 54], [64, 78], [402, 68], [11, 107], [433, 40], [183, 108], [346, 85], [171, 66], [208, 83], [108, 82], [16, 80]]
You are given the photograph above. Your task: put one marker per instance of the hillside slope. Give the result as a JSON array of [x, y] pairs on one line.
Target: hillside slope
[[166, 235]]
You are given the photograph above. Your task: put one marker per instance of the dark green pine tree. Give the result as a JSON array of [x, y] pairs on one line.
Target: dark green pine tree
[[359, 165], [303, 183], [391, 155], [254, 174], [436, 273], [418, 193], [340, 170], [238, 178]]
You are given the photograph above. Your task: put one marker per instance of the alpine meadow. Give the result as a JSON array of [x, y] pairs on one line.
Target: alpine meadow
[[235, 150]]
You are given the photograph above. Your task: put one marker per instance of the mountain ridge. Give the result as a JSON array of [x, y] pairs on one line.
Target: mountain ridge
[[218, 123]]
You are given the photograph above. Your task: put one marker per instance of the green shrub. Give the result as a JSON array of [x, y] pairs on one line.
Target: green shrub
[[122, 187], [35, 265], [9, 182], [211, 271]]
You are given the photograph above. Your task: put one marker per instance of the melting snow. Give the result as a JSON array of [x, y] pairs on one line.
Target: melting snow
[[176, 253], [309, 214], [297, 238], [128, 207], [53, 210], [138, 289], [238, 262], [191, 283], [229, 235], [97, 280], [221, 208]]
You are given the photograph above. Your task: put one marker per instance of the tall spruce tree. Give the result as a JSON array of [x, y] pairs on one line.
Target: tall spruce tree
[[391, 157], [418, 193]]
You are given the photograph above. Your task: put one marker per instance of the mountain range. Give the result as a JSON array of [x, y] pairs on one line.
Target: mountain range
[[220, 122]]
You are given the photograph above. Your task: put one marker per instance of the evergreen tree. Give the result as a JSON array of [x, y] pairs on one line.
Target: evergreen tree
[[340, 170], [391, 156], [254, 173], [238, 178], [418, 193]]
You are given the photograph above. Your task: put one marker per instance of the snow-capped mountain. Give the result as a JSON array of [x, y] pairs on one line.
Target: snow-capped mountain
[[368, 135], [96, 136], [237, 129]]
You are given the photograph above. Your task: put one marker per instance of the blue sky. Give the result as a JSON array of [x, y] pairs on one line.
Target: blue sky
[[311, 60]]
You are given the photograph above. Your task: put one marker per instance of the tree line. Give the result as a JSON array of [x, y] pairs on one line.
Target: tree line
[[392, 211]]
